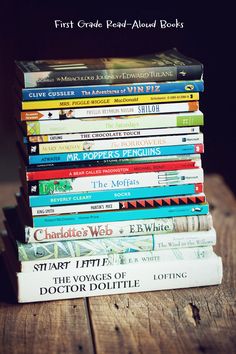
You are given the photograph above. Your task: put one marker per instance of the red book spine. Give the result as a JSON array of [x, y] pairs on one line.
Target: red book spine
[[110, 170]]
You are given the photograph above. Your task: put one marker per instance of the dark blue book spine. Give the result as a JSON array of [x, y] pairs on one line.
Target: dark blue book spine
[[52, 93]]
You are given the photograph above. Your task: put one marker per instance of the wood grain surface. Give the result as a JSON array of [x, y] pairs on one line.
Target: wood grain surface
[[198, 320]]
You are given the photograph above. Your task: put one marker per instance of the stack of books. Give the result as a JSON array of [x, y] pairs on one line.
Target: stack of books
[[112, 197]]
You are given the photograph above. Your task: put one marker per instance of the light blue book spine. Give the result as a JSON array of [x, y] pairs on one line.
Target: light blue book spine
[[113, 195], [113, 154], [162, 212], [53, 93]]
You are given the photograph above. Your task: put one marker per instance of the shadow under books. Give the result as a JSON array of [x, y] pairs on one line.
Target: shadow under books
[[7, 292]]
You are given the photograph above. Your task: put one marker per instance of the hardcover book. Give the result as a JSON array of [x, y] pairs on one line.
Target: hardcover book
[[169, 65], [133, 278], [50, 93]]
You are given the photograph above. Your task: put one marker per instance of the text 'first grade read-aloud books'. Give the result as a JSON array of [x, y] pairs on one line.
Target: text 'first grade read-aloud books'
[[112, 195]]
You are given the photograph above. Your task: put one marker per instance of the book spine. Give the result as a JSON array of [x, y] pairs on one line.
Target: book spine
[[103, 195], [112, 170], [110, 101], [118, 279], [133, 122], [112, 76], [113, 144], [104, 261], [112, 111], [111, 162], [94, 217], [133, 180], [104, 246], [124, 205], [50, 93], [124, 228], [97, 163], [109, 135], [115, 154]]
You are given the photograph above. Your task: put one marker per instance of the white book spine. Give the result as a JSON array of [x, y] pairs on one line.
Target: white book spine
[[111, 111], [123, 228], [132, 180], [101, 124], [118, 279], [84, 262], [76, 208], [112, 144], [123, 134]]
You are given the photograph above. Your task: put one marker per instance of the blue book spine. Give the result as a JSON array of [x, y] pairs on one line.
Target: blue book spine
[[111, 195], [113, 154], [52, 93], [162, 212]]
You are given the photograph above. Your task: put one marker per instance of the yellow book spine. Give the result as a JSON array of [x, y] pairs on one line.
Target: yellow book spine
[[53, 148], [110, 101]]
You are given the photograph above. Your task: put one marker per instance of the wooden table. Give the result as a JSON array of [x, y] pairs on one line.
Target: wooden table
[[180, 321]]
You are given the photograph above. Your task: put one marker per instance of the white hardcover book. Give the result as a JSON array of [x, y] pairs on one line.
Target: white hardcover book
[[132, 180], [111, 111], [118, 279], [101, 124], [121, 134], [158, 226], [112, 144], [85, 262]]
